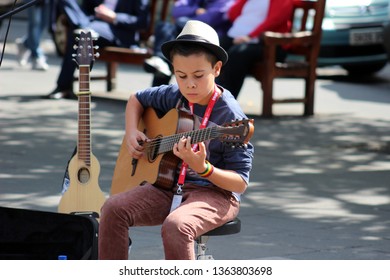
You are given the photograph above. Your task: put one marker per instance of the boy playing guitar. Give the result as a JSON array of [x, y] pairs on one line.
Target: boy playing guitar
[[210, 176]]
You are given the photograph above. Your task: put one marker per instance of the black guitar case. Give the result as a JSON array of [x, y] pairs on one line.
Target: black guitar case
[[38, 235]]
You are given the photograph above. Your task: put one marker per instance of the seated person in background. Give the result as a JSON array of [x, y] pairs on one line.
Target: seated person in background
[[251, 18], [211, 12], [215, 175], [114, 23]]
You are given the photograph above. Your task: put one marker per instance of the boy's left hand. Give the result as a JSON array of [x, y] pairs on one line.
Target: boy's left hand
[[195, 159]]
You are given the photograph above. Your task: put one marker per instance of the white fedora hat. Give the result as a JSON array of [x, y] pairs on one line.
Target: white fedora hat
[[197, 32]]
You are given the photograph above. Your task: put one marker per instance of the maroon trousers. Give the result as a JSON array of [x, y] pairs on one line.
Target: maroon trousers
[[203, 208]]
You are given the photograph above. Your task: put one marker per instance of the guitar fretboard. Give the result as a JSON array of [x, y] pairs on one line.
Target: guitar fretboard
[[236, 133], [166, 143], [84, 123]]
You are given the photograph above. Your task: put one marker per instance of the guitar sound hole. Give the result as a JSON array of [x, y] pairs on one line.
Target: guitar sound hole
[[153, 150], [83, 175]]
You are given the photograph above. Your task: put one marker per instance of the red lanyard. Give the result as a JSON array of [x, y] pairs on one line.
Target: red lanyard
[[205, 120]]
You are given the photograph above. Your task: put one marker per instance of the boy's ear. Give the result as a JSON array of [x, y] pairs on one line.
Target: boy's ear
[[217, 68]]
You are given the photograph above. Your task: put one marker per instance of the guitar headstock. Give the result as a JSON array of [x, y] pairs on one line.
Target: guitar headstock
[[85, 54], [236, 133]]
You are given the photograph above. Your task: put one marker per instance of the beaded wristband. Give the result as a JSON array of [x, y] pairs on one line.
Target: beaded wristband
[[209, 170]]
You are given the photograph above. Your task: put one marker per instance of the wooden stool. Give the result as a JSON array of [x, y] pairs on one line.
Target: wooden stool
[[231, 227]]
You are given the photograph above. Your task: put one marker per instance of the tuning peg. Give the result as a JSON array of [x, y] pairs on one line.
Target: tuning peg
[[97, 55], [75, 60]]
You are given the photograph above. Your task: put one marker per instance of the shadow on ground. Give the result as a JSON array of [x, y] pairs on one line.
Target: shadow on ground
[[319, 186]]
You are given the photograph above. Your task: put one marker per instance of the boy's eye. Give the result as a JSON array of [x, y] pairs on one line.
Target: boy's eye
[[195, 76]]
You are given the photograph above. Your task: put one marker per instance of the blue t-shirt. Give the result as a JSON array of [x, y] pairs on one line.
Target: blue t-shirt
[[227, 109]]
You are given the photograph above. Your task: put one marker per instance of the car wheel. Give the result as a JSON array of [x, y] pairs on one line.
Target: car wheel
[[364, 69]]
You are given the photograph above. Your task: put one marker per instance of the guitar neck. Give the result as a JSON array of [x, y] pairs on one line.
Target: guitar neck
[[165, 144], [84, 119]]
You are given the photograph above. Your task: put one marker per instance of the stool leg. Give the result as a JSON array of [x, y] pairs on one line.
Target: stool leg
[[129, 249], [201, 248]]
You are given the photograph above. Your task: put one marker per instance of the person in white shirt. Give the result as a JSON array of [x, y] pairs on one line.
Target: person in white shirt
[[250, 19]]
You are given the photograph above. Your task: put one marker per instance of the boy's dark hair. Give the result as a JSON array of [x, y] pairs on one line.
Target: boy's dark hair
[[187, 49]]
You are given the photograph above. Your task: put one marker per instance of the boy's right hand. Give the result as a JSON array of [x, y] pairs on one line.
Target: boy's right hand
[[134, 143]]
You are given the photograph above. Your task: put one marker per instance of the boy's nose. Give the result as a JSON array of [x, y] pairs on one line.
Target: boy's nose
[[191, 84]]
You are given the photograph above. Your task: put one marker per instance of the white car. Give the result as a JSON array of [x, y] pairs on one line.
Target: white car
[[352, 35]]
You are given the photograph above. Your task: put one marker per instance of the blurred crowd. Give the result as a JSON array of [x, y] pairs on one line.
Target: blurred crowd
[[239, 24]]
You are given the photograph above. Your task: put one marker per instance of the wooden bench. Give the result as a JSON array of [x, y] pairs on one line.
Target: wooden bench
[[112, 56]]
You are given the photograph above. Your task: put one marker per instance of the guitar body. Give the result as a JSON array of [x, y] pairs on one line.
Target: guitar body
[[158, 164], [83, 194], [157, 170]]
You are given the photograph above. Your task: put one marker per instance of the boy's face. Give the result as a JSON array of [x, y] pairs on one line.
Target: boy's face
[[195, 77]]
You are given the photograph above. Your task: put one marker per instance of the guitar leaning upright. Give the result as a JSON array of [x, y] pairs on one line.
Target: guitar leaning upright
[[83, 193]]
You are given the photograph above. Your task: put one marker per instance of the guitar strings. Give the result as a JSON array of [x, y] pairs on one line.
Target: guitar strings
[[197, 136], [165, 144]]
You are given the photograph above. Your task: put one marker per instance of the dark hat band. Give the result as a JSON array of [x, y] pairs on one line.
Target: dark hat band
[[192, 37], [196, 39]]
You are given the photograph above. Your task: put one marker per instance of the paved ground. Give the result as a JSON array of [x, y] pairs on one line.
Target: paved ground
[[320, 186]]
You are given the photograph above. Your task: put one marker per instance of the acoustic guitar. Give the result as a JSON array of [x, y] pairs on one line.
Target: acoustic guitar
[[158, 164], [83, 193]]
